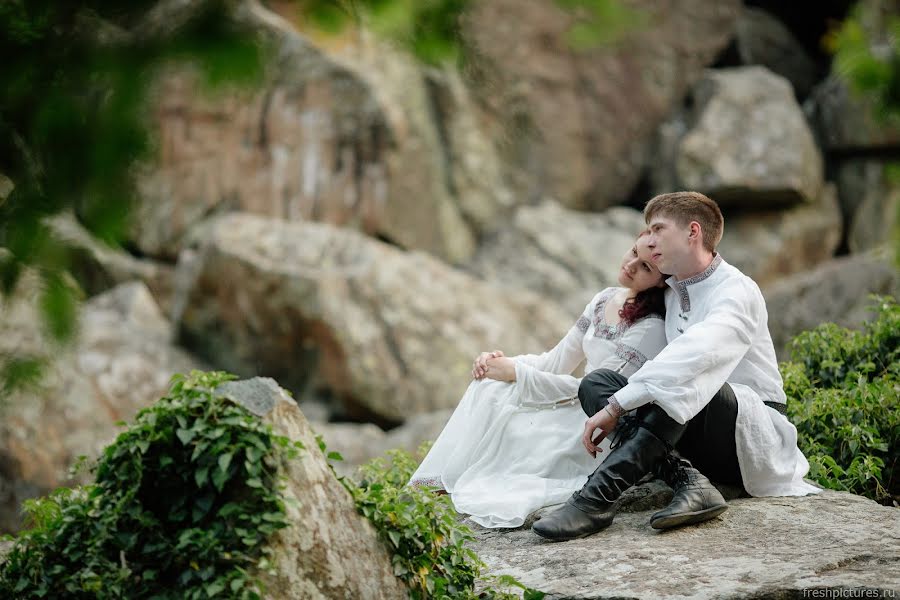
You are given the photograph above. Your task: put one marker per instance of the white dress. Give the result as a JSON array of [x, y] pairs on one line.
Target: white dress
[[511, 448]]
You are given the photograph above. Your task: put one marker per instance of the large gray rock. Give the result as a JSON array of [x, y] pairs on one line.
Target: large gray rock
[[351, 133], [771, 244], [564, 255], [389, 334], [870, 202], [761, 39], [758, 548], [749, 144], [120, 362], [575, 125], [834, 292], [329, 550], [99, 267]]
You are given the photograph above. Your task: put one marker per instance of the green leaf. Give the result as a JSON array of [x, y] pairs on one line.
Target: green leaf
[[185, 435], [224, 461]]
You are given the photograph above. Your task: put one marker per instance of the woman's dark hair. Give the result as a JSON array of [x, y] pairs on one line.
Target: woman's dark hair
[[648, 302]]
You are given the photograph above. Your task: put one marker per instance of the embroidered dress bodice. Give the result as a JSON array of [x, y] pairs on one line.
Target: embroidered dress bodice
[[511, 448]]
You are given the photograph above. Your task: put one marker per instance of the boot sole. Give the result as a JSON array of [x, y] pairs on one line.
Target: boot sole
[[687, 518], [568, 539]]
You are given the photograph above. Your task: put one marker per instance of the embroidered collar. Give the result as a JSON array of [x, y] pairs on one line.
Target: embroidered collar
[[680, 287]]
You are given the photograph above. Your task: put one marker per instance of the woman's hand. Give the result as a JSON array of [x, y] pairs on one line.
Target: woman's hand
[[603, 420], [479, 367], [501, 369]]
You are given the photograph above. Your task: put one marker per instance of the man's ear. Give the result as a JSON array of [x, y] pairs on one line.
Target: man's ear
[[696, 231]]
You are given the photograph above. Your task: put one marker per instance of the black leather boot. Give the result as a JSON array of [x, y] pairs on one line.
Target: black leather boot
[[635, 451], [696, 499]]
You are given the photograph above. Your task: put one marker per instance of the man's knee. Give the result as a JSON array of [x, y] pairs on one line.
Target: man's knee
[[596, 388]]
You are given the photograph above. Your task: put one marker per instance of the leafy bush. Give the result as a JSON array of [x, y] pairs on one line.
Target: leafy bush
[[182, 506], [843, 388], [423, 530]]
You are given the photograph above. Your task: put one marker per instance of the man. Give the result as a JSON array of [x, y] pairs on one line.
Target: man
[[714, 394]]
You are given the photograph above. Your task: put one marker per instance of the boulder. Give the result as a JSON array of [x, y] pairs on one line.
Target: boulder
[[870, 201], [350, 133], [759, 548], [847, 121], [387, 333], [749, 144], [99, 267], [762, 39], [564, 255], [771, 244], [836, 292], [120, 362], [329, 550], [575, 125], [359, 443]]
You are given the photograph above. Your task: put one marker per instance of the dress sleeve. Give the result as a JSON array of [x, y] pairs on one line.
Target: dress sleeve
[[640, 343], [545, 379], [695, 365]]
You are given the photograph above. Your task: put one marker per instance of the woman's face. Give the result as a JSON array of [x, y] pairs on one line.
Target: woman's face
[[638, 273]]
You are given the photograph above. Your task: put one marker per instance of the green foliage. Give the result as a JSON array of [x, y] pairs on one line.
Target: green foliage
[[843, 388], [870, 72], [424, 533], [182, 507]]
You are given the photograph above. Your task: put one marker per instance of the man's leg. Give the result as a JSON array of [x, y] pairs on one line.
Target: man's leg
[[639, 444], [709, 444]]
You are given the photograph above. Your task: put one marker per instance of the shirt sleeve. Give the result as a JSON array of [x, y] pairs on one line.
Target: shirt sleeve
[[694, 366], [543, 379], [641, 343]]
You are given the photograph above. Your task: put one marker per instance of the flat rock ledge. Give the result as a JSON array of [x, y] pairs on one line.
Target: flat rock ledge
[[831, 545]]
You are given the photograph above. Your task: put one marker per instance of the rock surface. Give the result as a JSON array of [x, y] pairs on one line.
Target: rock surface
[[358, 443], [350, 133], [121, 362], [771, 244], [329, 550], [564, 255], [846, 121], [870, 202], [389, 333], [758, 548], [99, 267], [574, 125], [836, 291], [762, 39], [749, 144]]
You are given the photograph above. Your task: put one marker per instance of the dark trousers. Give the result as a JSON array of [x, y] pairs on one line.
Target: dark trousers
[[708, 439]]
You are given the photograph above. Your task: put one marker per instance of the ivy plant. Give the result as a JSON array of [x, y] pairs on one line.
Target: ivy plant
[[183, 505]]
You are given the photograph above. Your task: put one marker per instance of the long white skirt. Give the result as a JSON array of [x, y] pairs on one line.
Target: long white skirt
[[500, 461]]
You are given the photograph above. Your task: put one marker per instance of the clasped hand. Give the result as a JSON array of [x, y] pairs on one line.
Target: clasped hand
[[494, 365], [605, 422]]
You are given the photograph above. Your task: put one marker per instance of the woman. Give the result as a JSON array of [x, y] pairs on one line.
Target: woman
[[513, 444]]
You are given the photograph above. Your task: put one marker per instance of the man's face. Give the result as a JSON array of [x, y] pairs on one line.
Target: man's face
[[668, 243]]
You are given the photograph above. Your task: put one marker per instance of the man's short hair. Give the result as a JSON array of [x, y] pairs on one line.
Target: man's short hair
[[684, 207]]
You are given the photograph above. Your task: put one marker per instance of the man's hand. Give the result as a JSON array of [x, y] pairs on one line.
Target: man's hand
[[479, 367], [501, 369], [605, 422]]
